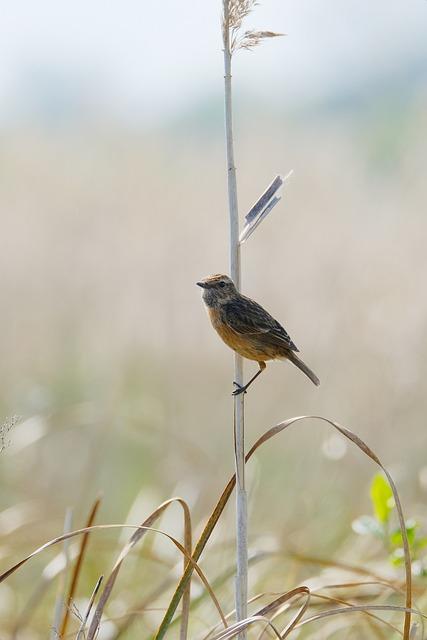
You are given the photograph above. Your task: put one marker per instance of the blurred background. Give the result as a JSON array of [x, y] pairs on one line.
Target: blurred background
[[113, 204]]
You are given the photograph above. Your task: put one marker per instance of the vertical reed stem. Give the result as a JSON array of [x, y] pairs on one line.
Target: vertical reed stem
[[60, 596], [239, 441]]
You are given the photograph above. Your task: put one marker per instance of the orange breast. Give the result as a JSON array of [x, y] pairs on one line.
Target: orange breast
[[246, 346]]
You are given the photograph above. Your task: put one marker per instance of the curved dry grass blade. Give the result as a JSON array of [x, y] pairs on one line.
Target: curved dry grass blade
[[382, 583], [278, 602], [350, 604], [363, 447], [238, 627], [77, 568], [345, 602], [198, 549], [313, 594], [284, 597], [80, 632], [219, 582], [297, 617], [98, 527], [232, 613], [137, 535], [361, 608], [210, 525], [188, 545], [137, 609], [349, 585], [407, 555]]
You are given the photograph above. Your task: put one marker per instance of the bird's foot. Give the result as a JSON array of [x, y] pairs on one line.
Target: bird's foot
[[239, 389]]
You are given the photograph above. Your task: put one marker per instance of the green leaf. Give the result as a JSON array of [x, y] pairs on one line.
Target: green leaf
[[411, 527], [382, 498], [396, 538], [367, 525]]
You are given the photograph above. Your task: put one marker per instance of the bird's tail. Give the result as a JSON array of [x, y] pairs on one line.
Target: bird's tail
[[301, 365]]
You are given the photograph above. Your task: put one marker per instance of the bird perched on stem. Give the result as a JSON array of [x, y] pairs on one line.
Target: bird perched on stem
[[248, 328]]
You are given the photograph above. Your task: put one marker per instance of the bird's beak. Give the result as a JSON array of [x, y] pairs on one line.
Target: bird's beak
[[202, 284]]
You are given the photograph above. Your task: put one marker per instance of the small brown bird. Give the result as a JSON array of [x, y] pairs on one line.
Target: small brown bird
[[248, 328]]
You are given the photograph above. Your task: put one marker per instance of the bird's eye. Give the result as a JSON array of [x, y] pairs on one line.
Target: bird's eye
[[222, 285]]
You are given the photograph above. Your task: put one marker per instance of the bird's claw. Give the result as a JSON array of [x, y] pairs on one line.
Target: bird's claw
[[239, 389]]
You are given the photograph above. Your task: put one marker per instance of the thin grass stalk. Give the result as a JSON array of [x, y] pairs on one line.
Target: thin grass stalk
[[218, 583], [236, 629], [49, 574], [219, 507], [81, 632], [60, 597], [235, 272], [136, 536], [140, 530], [370, 616], [77, 568], [186, 600], [356, 608]]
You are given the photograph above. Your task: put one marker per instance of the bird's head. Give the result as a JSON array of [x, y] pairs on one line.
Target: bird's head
[[217, 289]]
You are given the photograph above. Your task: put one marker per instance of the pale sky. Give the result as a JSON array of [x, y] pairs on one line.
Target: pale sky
[[154, 59]]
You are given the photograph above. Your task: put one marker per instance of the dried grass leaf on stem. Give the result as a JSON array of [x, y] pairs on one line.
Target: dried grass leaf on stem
[[81, 631], [216, 514], [234, 12], [113, 575], [136, 536], [78, 566]]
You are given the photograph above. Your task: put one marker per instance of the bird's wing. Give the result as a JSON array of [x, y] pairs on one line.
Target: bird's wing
[[246, 317]]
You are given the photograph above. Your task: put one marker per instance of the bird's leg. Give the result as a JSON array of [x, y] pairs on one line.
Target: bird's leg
[[243, 389]]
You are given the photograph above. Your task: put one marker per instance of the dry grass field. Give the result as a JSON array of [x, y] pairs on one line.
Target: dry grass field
[[122, 389]]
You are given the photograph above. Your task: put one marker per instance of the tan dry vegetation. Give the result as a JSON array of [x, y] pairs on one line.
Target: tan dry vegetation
[[104, 336]]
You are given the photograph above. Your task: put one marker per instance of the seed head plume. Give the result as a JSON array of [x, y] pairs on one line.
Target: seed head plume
[[5, 429], [234, 12]]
